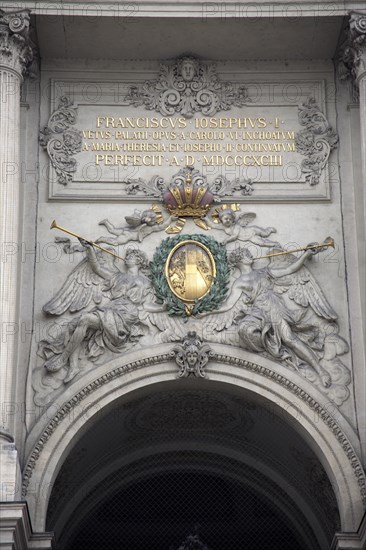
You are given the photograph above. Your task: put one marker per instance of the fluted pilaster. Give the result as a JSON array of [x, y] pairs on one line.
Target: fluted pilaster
[[15, 55]]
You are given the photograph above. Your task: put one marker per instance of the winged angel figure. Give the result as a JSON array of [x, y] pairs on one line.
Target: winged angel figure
[[280, 311], [116, 319], [235, 227], [137, 227]]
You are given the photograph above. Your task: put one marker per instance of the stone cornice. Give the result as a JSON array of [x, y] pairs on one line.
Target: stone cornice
[[230, 9], [16, 52]]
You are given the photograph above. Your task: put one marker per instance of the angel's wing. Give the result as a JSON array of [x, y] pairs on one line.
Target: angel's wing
[[171, 328], [302, 288], [81, 287], [247, 217], [217, 322]]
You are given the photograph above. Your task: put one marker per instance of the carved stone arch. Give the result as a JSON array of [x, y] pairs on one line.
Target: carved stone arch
[[52, 439]]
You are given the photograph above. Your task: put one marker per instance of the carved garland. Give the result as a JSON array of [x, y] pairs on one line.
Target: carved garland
[[225, 359], [61, 142]]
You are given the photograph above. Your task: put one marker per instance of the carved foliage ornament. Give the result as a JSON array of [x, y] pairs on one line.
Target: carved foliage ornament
[[185, 88], [15, 50], [220, 188], [61, 141], [353, 50], [315, 141]]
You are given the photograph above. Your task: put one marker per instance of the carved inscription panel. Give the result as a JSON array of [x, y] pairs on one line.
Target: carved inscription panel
[[101, 136]]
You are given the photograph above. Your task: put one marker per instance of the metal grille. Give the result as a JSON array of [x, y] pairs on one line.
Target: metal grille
[[186, 508]]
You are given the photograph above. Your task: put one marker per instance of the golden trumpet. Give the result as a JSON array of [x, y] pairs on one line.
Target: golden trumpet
[[54, 225], [328, 242]]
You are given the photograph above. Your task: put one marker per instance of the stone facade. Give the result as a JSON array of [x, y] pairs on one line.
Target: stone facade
[[216, 158]]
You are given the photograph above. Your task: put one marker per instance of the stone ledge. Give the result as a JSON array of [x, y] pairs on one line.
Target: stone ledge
[[16, 530], [351, 541]]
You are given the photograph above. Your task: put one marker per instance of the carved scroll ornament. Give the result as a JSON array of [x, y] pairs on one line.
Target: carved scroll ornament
[[315, 141], [61, 141], [185, 88]]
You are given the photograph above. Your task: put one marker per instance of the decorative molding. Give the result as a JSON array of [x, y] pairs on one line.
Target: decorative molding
[[316, 141], [192, 356], [160, 359], [186, 87], [15, 46], [62, 142]]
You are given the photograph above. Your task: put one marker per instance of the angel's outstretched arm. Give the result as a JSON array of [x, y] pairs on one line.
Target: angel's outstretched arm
[[93, 260], [292, 268]]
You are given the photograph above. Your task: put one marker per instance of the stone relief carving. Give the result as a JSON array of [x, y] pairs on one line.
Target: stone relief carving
[[315, 141], [114, 323], [192, 356], [259, 305], [185, 88], [274, 307], [62, 142], [235, 227], [352, 55], [139, 226], [15, 45], [220, 188], [189, 194]]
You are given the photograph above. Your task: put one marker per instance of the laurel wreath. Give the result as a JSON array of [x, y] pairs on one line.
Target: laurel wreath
[[219, 288]]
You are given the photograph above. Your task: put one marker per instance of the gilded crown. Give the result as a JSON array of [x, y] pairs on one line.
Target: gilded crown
[[188, 200]]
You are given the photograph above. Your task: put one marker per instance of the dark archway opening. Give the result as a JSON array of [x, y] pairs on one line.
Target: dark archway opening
[[156, 466], [161, 512]]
